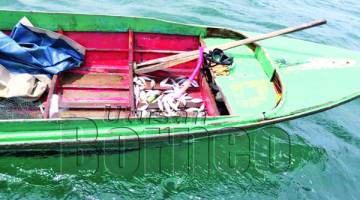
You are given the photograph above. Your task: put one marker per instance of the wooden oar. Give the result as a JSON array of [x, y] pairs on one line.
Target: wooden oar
[[169, 61]]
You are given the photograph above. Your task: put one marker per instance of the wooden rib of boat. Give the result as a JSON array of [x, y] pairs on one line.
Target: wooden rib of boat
[[275, 80]]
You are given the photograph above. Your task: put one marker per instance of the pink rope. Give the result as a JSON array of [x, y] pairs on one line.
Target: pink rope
[[199, 64], [193, 75]]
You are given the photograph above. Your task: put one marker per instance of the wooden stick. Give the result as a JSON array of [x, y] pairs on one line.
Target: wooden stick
[[169, 61]]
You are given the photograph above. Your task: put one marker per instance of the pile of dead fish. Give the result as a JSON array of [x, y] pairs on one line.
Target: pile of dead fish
[[151, 102]]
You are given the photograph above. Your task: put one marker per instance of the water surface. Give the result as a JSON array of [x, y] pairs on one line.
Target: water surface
[[325, 148]]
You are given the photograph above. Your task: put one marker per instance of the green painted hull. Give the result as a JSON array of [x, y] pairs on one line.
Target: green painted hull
[[307, 87]]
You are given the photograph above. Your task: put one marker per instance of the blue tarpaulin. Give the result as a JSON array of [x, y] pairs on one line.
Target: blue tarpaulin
[[37, 51]]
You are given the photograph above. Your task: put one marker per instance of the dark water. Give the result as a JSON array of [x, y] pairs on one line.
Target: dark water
[[321, 162]]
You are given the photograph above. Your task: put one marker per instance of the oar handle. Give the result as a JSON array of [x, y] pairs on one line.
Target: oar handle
[[272, 34], [169, 61]]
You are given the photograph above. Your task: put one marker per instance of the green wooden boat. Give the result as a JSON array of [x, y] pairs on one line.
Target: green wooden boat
[[272, 81]]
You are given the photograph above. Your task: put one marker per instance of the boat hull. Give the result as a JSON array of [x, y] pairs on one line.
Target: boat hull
[[310, 78]]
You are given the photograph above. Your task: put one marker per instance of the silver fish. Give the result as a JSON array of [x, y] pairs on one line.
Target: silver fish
[[173, 82], [182, 99], [144, 107], [167, 107], [160, 104], [173, 105], [191, 110], [194, 83], [145, 114], [200, 114], [152, 84], [180, 78], [139, 82], [158, 98], [202, 107], [168, 91], [136, 91], [196, 100], [145, 78], [164, 83], [188, 97], [142, 97], [181, 81], [142, 80], [135, 79]]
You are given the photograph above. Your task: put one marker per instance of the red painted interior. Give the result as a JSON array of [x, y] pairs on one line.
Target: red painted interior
[[112, 54]]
